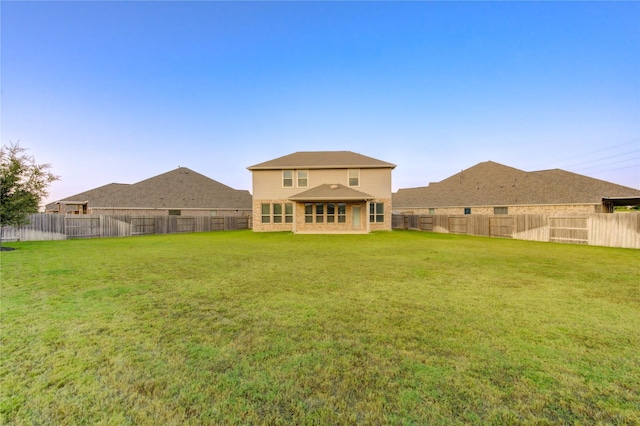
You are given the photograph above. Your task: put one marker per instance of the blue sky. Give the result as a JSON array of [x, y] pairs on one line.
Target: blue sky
[[123, 91]]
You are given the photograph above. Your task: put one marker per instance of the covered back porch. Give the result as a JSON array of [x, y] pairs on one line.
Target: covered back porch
[[331, 208]]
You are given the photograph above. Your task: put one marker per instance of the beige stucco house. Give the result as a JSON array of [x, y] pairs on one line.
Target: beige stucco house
[[322, 192]]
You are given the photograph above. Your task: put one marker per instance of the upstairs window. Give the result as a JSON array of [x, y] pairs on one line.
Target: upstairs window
[[287, 178], [500, 210], [303, 178], [467, 210], [354, 177]]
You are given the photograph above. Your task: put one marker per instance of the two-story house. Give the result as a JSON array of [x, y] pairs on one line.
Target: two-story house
[[322, 192]]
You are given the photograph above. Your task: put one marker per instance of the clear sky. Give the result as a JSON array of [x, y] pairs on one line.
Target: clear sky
[[123, 91]]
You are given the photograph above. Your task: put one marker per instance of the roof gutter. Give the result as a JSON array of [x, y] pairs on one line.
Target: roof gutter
[[316, 167], [331, 199]]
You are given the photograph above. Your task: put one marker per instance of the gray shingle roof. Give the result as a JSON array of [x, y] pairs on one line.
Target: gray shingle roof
[[322, 160], [91, 194], [493, 184], [331, 192], [181, 188]]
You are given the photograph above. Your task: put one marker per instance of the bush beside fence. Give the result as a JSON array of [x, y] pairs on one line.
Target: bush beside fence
[[604, 229], [44, 227]]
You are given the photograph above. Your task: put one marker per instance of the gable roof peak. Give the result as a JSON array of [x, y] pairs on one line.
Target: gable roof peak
[[491, 183], [177, 188], [322, 160], [331, 192]]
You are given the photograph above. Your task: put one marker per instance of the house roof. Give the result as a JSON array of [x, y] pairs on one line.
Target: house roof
[[331, 192], [181, 188], [91, 194], [493, 184], [322, 160]]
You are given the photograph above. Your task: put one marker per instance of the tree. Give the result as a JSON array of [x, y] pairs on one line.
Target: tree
[[23, 184]]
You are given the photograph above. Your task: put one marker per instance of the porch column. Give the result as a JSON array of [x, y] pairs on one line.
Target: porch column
[[295, 215], [366, 216]]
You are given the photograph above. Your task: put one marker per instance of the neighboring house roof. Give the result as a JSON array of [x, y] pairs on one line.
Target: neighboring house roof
[[322, 160], [493, 184], [91, 194], [181, 188], [333, 192]]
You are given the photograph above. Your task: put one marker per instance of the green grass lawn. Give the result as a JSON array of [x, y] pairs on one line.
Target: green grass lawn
[[387, 328]]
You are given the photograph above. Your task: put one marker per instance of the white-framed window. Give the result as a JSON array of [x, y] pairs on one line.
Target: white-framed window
[[277, 213], [376, 212], [325, 212], [308, 212], [266, 212], [354, 177], [303, 178], [331, 213], [287, 178], [342, 212], [288, 213], [319, 212]]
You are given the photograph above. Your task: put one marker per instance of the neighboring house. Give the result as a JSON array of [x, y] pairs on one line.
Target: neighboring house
[[79, 203], [492, 188], [322, 192], [178, 192]]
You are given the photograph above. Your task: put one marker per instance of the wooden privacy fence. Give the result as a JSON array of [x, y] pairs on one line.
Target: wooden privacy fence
[[603, 229], [44, 227]]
